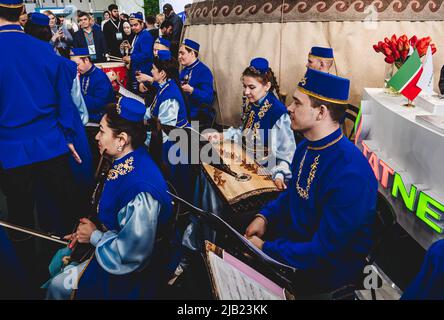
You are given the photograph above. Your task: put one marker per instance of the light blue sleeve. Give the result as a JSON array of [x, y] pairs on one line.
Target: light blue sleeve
[[233, 134], [131, 248], [283, 147], [168, 113], [77, 98]]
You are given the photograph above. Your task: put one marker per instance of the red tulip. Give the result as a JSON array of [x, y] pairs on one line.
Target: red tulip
[[404, 38], [396, 54], [376, 48], [393, 39], [387, 41], [406, 46], [389, 60], [404, 55], [387, 51], [413, 41]]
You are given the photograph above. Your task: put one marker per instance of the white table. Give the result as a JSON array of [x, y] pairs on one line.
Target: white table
[[412, 149]]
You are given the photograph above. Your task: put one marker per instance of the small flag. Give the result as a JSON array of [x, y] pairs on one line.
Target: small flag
[[406, 79], [425, 82]]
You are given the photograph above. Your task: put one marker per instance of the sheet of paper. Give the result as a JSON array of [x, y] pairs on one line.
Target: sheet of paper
[[233, 284], [126, 93]]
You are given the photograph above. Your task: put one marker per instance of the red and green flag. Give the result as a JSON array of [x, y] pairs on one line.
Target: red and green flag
[[406, 79]]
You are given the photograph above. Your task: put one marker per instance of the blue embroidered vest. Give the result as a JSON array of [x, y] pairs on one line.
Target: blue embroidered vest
[[262, 116], [170, 91]]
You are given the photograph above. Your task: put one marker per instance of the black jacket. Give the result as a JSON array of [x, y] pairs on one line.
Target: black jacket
[[177, 26], [110, 31], [99, 42]]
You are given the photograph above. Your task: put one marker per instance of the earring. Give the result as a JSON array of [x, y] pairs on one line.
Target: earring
[[119, 148]]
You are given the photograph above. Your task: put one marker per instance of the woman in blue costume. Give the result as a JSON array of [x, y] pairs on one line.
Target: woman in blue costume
[[130, 261], [169, 107], [265, 126]]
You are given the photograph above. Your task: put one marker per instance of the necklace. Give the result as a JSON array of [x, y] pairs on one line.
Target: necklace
[[314, 166]]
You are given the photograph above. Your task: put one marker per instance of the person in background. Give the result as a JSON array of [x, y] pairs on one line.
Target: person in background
[[159, 19], [113, 31], [61, 39], [90, 38], [23, 19], [171, 16], [151, 27], [106, 17], [141, 50], [320, 58], [197, 84]]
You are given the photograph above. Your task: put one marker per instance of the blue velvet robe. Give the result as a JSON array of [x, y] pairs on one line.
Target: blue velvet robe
[[199, 77], [429, 283], [36, 119], [326, 229], [97, 92]]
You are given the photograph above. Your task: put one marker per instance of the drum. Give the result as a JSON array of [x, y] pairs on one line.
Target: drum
[[116, 72]]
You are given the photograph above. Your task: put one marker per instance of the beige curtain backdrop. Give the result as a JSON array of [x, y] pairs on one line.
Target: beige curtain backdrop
[[228, 48]]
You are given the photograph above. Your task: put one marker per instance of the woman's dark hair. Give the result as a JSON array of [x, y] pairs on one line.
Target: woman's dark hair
[[263, 78], [135, 130], [11, 14], [37, 31]]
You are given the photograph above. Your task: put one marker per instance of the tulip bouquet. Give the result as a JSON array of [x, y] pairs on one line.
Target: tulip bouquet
[[396, 50]]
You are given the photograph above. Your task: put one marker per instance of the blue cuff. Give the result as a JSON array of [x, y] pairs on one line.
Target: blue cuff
[[96, 236]]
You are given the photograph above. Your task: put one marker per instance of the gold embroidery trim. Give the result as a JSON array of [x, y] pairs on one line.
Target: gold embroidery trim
[[304, 192], [327, 145], [121, 169]]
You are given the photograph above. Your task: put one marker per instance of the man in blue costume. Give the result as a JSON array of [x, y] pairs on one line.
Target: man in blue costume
[[322, 223], [36, 123], [141, 57], [97, 90], [197, 83], [36, 133]]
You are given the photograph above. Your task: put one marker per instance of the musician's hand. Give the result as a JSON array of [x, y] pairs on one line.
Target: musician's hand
[[74, 153], [142, 77], [214, 136], [256, 241], [256, 228], [187, 88], [127, 59], [280, 184], [84, 230], [72, 238]]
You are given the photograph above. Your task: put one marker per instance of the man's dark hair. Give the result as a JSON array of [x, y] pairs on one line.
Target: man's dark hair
[[112, 7], [82, 14], [166, 24], [336, 110], [150, 19], [188, 5], [37, 31], [11, 14]]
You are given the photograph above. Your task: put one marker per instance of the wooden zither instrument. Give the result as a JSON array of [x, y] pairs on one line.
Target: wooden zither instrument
[[249, 186]]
